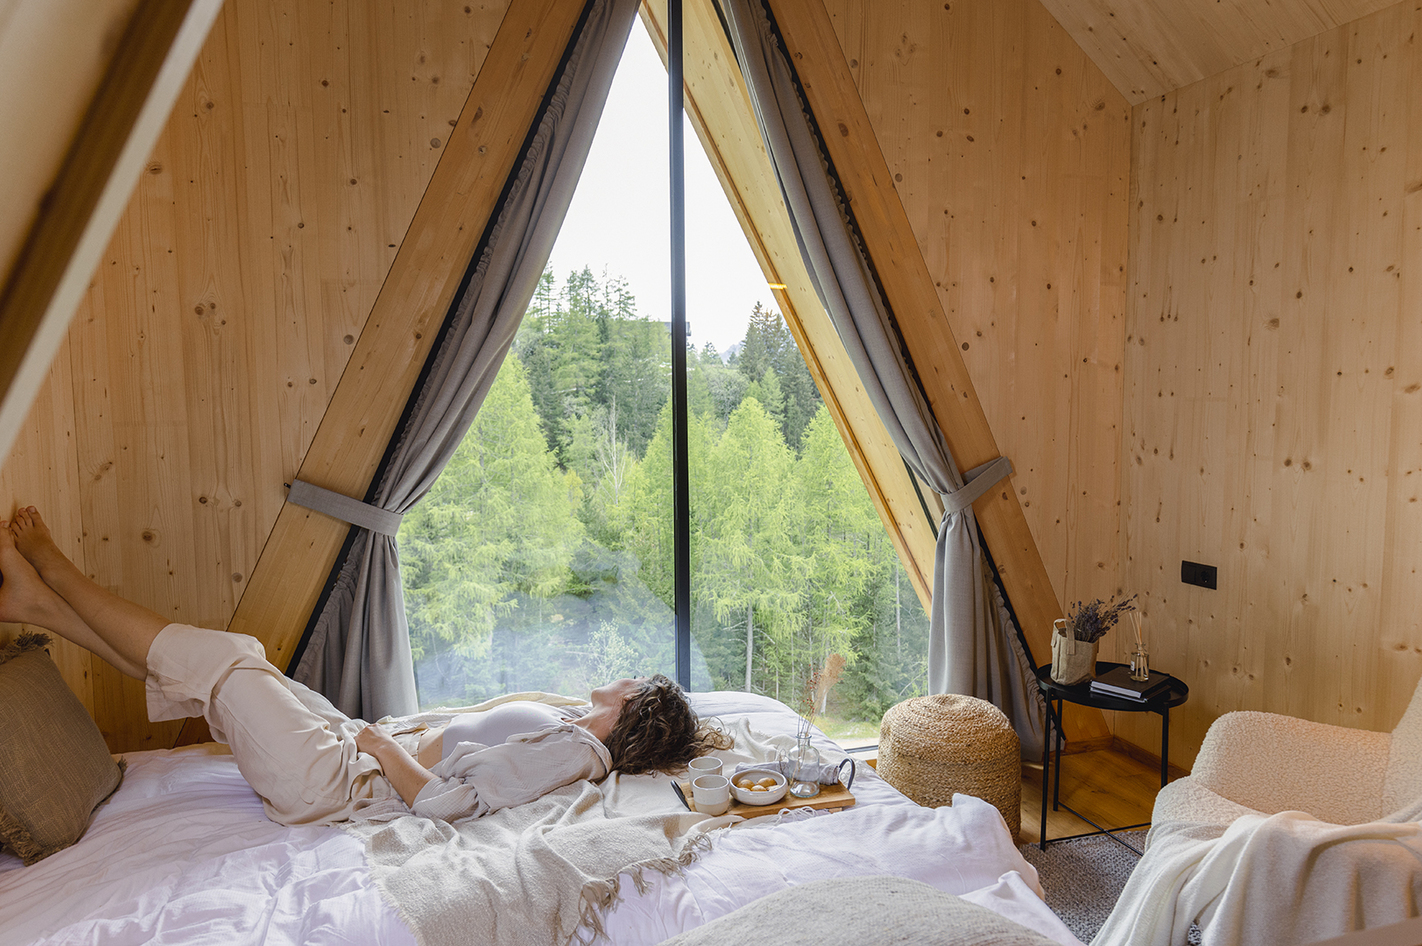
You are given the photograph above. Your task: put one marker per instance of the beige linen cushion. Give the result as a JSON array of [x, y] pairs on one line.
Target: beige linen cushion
[[54, 766]]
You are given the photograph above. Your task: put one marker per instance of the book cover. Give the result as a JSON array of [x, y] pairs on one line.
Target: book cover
[[1118, 682]]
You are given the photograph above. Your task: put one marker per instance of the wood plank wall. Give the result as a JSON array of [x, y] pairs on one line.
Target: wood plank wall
[[230, 300], [1011, 154], [1274, 381]]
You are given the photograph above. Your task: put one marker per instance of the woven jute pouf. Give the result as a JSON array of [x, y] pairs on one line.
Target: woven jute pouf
[[933, 746]]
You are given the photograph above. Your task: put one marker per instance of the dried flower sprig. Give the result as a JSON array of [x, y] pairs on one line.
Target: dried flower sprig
[[1090, 622], [816, 689]]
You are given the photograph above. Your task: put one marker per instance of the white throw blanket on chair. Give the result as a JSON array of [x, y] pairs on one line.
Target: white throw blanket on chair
[[1284, 878]]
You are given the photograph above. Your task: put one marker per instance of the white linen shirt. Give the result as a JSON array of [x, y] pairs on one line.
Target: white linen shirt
[[475, 779]]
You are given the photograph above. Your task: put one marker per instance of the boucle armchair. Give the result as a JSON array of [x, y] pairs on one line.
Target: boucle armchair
[[1286, 831], [1262, 763]]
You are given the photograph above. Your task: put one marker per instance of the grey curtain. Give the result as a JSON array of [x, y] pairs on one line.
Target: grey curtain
[[358, 653], [974, 649]]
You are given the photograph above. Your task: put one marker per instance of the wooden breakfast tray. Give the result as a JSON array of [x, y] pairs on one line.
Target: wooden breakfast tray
[[830, 796]]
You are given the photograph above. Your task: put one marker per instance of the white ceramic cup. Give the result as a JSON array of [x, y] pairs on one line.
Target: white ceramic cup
[[705, 765], [712, 794]]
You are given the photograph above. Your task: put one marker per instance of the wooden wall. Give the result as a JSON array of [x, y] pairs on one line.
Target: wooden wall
[[1273, 411], [229, 301], [1011, 154]]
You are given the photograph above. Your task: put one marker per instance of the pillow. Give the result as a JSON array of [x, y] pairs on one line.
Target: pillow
[[54, 766]]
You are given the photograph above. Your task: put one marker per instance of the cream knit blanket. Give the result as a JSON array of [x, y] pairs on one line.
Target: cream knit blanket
[[1284, 878], [540, 874]]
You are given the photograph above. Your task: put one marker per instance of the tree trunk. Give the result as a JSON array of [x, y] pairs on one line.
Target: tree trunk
[[898, 618], [750, 643]]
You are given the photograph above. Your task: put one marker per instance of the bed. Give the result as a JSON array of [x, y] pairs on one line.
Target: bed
[[182, 853]]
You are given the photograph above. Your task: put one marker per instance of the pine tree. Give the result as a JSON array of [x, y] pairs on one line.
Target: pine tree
[[753, 573], [769, 346], [497, 524]]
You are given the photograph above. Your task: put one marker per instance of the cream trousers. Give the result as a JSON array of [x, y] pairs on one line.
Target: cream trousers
[[291, 745]]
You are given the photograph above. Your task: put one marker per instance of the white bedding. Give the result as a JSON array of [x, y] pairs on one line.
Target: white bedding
[[183, 853]]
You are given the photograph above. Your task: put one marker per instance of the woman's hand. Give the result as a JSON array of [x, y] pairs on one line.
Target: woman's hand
[[404, 773], [373, 739]]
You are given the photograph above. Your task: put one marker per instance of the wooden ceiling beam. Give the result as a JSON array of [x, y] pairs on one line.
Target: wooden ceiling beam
[[80, 210], [864, 173], [369, 399]]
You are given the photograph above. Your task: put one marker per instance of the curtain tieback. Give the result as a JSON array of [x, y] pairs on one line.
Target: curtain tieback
[[344, 508], [976, 483]]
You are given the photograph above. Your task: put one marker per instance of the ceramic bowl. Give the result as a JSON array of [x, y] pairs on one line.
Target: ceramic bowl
[[768, 797]]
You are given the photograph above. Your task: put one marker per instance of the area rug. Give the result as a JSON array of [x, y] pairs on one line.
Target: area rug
[[1083, 877]]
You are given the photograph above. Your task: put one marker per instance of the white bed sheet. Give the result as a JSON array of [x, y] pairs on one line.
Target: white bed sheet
[[220, 872]]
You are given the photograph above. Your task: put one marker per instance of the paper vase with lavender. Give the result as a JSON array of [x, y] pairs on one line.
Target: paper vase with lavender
[[1076, 639]]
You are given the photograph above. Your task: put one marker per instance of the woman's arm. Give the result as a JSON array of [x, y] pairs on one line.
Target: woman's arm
[[407, 775]]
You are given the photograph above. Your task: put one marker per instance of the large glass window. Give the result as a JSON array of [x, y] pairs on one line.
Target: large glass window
[[542, 560]]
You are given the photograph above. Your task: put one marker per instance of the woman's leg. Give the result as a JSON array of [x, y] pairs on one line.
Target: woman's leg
[[26, 599], [117, 628], [302, 759]]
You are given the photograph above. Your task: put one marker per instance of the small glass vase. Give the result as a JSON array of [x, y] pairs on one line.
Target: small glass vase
[[804, 775], [1140, 665]]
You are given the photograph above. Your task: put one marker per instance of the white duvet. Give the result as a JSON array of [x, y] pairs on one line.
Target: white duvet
[[184, 854]]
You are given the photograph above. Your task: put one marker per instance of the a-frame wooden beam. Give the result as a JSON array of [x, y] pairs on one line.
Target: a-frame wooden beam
[[853, 147], [366, 406], [77, 216]]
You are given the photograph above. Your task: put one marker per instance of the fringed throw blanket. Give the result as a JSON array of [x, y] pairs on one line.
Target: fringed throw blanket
[[540, 874], [544, 873]]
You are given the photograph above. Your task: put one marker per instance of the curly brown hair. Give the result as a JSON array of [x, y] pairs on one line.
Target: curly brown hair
[[658, 731]]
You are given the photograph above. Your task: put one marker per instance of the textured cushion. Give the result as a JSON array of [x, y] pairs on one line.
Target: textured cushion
[[931, 747], [54, 766], [1402, 784], [862, 911], [1273, 763]]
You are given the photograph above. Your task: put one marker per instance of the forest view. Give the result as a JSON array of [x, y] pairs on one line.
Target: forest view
[[542, 558]]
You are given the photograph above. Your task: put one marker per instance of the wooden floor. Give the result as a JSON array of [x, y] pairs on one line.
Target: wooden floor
[[1107, 785]]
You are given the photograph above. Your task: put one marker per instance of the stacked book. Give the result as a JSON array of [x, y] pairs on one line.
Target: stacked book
[[1117, 683]]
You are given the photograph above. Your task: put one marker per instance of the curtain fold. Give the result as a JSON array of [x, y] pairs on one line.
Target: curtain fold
[[358, 651], [974, 648]]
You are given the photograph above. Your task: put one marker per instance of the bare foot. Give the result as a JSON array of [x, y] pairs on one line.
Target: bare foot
[[24, 597], [34, 542]]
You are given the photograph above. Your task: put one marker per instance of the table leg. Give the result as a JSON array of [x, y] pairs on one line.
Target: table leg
[[1057, 769], [1046, 760], [1164, 746]]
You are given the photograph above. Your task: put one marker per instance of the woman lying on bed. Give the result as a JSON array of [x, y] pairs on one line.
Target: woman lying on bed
[[309, 762]]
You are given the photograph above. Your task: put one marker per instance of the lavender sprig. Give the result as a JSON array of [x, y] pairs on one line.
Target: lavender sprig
[[1090, 622]]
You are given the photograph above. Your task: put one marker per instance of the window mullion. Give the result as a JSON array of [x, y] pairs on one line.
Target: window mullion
[[681, 474]]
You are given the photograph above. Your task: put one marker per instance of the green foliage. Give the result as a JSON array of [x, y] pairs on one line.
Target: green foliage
[[542, 558], [769, 348], [751, 570], [586, 348], [495, 524]]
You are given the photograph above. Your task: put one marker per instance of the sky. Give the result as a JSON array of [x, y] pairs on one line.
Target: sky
[[619, 220]]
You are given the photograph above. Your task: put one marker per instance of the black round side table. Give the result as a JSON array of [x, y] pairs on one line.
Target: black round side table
[[1175, 693]]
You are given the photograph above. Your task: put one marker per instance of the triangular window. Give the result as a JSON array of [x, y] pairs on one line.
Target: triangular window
[[542, 559]]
